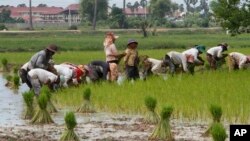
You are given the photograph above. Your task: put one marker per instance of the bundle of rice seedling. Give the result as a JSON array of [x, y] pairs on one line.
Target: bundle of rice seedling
[[5, 64], [28, 98], [50, 106], [151, 116], [69, 134], [218, 132], [42, 116], [87, 106], [163, 130], [216, 112], [16, 81]]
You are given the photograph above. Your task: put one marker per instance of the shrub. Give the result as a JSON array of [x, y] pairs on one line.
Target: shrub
[[73, 27]]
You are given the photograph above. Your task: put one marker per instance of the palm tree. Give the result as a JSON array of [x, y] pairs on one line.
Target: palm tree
[[30, 13]]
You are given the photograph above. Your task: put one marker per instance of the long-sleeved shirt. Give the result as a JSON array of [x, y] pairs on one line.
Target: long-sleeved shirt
[[130, 57], [42, 75], [155, 65], [193, 52], [240, 58], [66, 72], [215, 51], [178, 59], [25, 66], [39, 60]]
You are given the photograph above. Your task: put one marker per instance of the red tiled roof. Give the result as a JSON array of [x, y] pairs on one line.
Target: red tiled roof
[[139, 11], [73, 7]]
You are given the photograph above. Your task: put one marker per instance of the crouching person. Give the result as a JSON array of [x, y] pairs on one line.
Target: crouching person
[[39, 77], [237, 61]]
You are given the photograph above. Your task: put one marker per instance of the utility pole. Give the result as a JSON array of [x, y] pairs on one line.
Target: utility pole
[[69, 18], [146, 3], [30, 14], [94, 18], [124, 7]]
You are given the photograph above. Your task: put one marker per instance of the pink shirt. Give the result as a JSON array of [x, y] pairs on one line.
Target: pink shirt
[[110, 51]]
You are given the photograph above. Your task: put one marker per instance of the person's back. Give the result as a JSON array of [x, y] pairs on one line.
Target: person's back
[[42, 75], [215, 51]]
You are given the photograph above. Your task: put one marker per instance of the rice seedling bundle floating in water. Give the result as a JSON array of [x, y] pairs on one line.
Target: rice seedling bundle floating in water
[[69, 134], [87, 106], [216, 112], [42, 116], [218, 132], [28, 98], [151, 116], [16, 81], [50, 106], [162, 130]]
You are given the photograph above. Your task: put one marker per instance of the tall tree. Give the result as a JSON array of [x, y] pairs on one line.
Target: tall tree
[[233, 15], [143, 3], [87, 8], [181, 7], [160, 8], [30, 14], [94, 18]]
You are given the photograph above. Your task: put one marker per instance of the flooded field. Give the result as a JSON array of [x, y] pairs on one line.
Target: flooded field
[[98, 126]]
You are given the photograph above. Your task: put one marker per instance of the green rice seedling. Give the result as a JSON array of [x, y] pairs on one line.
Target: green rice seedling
[[15, 70], [87, 106], [162, 130], [50, 106], [216, 112], [151, 116], [5, 64], [218, 132], [28, 98], [69, 134], [42, 116], [16, 81]]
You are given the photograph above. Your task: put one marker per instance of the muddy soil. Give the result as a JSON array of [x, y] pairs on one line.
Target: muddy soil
[[97, 127]]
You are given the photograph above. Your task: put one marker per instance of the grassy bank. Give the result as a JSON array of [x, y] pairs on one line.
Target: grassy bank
[[75, 41]]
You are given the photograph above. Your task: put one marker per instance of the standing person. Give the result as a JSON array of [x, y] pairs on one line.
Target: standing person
[[193, 57], [215, 54], [131, 60], [39, 77], [40, 60], [238, 60]]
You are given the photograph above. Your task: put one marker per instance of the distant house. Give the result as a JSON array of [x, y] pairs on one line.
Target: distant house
[[48, 14], [136, 12]]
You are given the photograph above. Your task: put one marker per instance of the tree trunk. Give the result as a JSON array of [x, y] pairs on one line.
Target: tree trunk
[[94, 18], [30, 14]]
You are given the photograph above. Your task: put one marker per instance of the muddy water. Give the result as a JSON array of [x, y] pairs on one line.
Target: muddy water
[[92, 127]]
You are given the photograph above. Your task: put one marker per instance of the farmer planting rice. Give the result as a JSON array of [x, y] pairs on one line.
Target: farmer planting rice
[[193, 57], [215, 54], [39, 77], [178, 59], [238, 60], [131, 60], [77, 72], [112, 56], [40, 60]]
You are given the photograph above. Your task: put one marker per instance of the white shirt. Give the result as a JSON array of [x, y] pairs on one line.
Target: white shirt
[[240, 58], [42, 75], [25, 66], [178, 59], [110, 50], [215, 51], [156, 65], [194, 52], [65, 71]]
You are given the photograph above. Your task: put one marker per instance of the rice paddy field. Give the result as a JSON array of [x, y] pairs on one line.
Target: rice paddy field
[[190, 96]]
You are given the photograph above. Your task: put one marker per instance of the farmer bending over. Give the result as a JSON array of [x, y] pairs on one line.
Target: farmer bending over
[[238, 61], [214, 55], [39, 77], [178, 59]]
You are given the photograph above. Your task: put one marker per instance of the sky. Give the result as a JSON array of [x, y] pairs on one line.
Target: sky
[[63, 3]]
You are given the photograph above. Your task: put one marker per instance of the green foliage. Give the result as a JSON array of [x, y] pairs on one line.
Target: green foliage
[[9, 77], [15, 70], [150, 103], [2, 27], [160, 8], [117, 18], [70, 120], [232, 15], [5, 63], [50, 106], [166, 112], [46, 91], [16, 81], [216, 112], [28, 99], [42, 101], [87, 94], [218, 132], [69, 134], [73, 27]]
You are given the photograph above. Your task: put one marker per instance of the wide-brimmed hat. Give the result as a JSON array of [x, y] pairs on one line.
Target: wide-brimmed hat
[[130, 41], [201, 48], [52, 48], [224, 45], [112, 35]]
